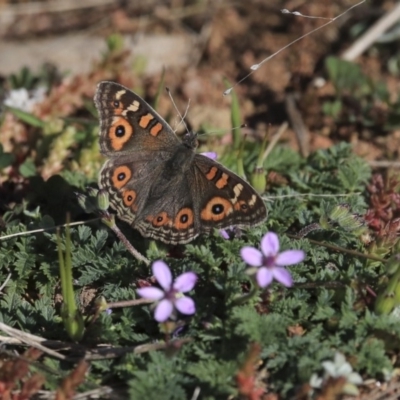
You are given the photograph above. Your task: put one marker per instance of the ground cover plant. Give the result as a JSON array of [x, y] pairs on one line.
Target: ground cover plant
[[302, 306]]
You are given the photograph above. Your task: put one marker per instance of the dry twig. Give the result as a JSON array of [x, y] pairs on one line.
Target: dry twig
[[372, 34]]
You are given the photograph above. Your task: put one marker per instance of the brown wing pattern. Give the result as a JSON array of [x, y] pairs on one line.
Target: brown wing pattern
[[225, 199], [128, 124]]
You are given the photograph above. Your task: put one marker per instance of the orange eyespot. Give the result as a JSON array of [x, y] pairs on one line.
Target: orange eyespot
[[216, 209], [241, 205], [121, 176], [129, 197], [160, 219], [184, 219], [120, 132]]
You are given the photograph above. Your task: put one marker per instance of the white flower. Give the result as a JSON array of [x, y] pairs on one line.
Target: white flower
[[315, 381], [21, 99], [340, 367]]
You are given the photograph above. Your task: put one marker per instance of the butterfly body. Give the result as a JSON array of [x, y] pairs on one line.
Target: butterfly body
[[157, 183]]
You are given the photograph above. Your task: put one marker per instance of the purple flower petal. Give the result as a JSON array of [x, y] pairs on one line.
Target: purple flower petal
[[251, 256], [270, 244], [224, 234], [289, 257], [162, 274], [210, 154], [150, 293], [185, 282], [283, 276], [264, 277], [163, 310], [185, 305]]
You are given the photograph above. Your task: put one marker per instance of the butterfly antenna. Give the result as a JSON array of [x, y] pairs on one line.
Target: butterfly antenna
[[182, 118]]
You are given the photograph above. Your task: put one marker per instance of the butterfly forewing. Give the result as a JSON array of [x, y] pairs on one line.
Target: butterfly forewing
[[128, 124]]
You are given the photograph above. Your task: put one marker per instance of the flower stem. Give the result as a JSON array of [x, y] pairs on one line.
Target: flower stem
[[239, 300]]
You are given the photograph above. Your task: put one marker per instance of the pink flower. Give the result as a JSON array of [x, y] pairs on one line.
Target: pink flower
[[224, 233], [269, 262], [210, 154], [171, 296]]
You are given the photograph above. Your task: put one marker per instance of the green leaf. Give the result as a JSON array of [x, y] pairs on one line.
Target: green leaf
[[28, 168], [236, 121], [26, 117], [6, 159]]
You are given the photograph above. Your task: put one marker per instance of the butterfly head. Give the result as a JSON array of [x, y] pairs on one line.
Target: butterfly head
[[190, 140]]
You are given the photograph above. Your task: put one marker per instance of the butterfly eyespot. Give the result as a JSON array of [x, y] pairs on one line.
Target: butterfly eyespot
[[184, 219], [116, 103], [129, 197], [159, 220], [217, 209], [120, 176], [244, 206], [120, 131]]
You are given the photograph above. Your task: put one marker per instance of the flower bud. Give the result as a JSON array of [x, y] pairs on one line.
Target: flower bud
[[258, 179], [103, 200]]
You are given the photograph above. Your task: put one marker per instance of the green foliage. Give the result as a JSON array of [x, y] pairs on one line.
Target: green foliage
[[329, 317], [70, 314], [25, 78], [235, 118], [27, 117], [347, 77], [159, 377], [359, 99], [27, 169], [6, 159], [329, 308]]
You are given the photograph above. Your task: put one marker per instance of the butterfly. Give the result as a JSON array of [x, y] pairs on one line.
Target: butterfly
[[157, 183]]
